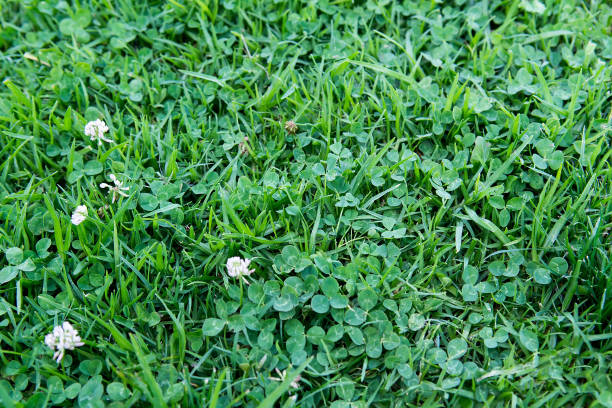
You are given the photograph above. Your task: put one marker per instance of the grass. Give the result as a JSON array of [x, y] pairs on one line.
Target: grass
[[435, 231]]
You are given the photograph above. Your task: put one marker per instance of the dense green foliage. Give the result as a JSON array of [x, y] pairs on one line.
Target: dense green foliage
[[434, 231]]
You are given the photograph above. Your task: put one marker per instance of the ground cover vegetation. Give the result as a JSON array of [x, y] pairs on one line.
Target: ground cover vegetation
[[305, 203]]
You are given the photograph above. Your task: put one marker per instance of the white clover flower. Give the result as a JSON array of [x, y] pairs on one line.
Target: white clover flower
[[117, 189], [242, 146], [79, 215], [239, 268], [291, 127], [283, 374], [96, 130], [63, 338]]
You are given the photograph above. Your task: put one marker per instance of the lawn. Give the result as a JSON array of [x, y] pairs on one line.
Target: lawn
[[277, 203]]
